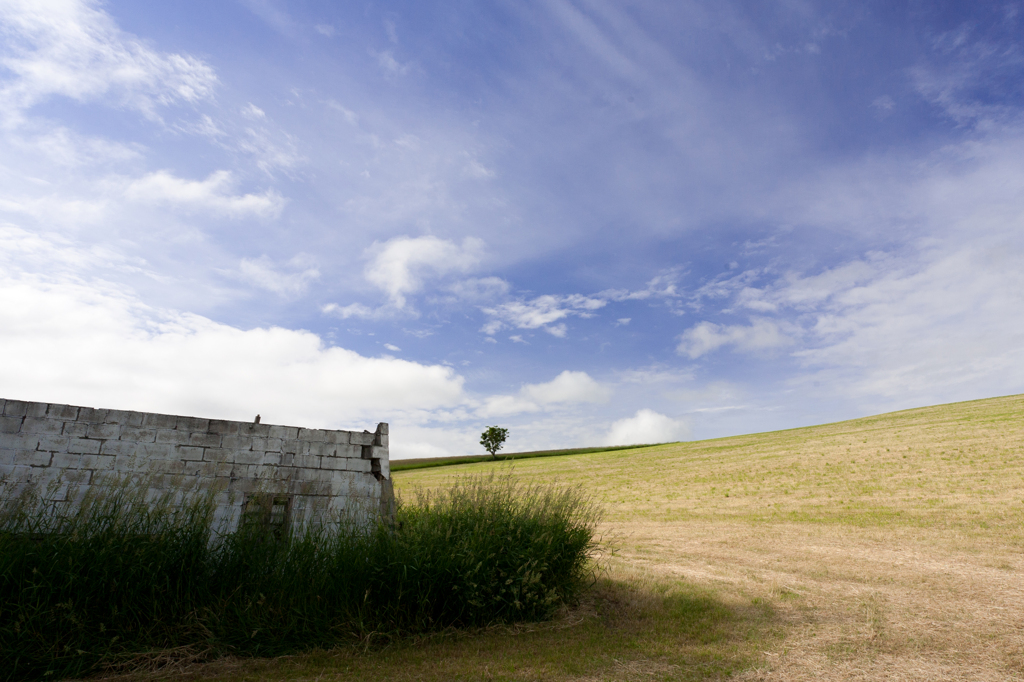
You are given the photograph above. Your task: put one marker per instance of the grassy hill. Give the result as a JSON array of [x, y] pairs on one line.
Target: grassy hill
[[957, 465], [887, 547]]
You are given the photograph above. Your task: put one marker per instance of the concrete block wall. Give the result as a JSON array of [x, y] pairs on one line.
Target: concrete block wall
[[67, 450]]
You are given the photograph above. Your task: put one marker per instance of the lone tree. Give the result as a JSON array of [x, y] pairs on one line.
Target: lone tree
[[493, 439]]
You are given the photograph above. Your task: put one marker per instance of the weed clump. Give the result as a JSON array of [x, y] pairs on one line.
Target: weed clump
[[90, 586]]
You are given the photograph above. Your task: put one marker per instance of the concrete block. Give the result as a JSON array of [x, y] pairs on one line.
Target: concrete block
[[306, 461], [375, 452], [222, 469], [267, 444], [36, 410], [248, 457], [32, 458], [291, 447], [305, 475], [172, 437], [314, 449], [262, 430], [353, 451], [7, 456], [135, 420], [155, 451], [138, 434], [92, 415], [382, 429], [219, 455], [223, 427], [174, 467], [237, 442], [185, 452], [62, 412], [83, 446], [104, 431], [19, 441], [10, 424], [205, 440], [364, 438], [311, 435], [287, 458], [382, 440], [360, 465], [15, 408], [119, 448], [271, 459], [40, 425], [117, 417], [160, 421], [284, 432], [75, 429], [79, 477], [334, 463], [53, 443], [127, 464], [192, 424], [337, 437], [98, 462], [200, 468]]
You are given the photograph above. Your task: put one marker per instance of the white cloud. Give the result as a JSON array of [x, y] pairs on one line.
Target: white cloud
[[568, 388], [350, 116], [761, 334], [73, 49], [505, 405], [479, 289], [95, 344], [646, 426], [211, 194], [357, 310], [392, 347], [539, 312], [400, 266], [253, 112], [325, 30], [263, 273], [387, 61]]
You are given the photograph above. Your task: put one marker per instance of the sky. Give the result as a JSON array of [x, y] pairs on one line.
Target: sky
[[588, 222]]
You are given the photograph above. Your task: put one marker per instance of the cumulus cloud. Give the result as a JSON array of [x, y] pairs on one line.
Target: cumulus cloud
[[567, 388], [762, 334], [94, 344], [72, 48], [400, 266], [646, 426], [213, 194]]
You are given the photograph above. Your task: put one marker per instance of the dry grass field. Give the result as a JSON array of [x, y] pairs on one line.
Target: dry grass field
[[884, 548]]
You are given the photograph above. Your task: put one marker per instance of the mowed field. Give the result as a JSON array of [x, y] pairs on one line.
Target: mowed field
[[884, 548]]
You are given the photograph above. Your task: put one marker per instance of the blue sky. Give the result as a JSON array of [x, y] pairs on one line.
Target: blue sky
[[589, 222]]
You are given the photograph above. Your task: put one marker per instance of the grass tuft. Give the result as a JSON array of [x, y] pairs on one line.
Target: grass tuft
[[89, 587]]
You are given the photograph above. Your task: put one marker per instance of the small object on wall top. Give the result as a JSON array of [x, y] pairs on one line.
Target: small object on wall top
[[257, 420]]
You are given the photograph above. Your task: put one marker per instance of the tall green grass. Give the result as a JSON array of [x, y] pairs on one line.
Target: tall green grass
[[84, 587]]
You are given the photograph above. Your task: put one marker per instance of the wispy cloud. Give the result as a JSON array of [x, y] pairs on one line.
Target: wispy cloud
[[760, 335], [540, 312], [211, 194], [291, 280], [73, 49]]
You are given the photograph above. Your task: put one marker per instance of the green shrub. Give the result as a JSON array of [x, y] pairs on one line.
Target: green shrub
[[84, 587]]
